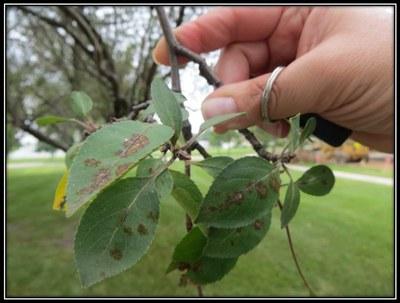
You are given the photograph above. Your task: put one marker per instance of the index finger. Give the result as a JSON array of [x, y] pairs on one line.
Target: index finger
[[220, 27]]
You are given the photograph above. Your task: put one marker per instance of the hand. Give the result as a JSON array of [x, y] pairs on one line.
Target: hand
[[339, 65]]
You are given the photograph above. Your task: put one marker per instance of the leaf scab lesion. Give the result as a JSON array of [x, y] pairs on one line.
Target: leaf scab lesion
[[262, 190], [116, 254], [232, 199], [123, 168], [132, 145], [91, 162], [142, 230], [127, 230], [98, 181], [258, 224], [153, 216]]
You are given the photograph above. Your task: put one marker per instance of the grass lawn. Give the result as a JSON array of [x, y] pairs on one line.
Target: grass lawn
[[344, 243]]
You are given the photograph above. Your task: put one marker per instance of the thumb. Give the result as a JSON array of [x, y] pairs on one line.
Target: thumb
[[298, 89]]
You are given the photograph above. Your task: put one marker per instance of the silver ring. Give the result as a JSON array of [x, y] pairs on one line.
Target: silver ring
[[267, 92]]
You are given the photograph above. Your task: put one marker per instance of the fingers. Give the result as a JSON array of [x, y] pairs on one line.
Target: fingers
[[220, 27], [376, 141], [241, 61], [306, 85]]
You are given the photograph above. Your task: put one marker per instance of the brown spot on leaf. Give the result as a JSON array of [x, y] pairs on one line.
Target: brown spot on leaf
[[258, 224], [235, 198], [142, 230], [150, 170], [122, 217], [212, 208], [92, 162], [128, 230], [116, 254], [98, 181], [183, 266], [132, 145], [261, 189], [152, 216], [121, 169], [63, 201], [103, 274], [275, 184], [196, 266]]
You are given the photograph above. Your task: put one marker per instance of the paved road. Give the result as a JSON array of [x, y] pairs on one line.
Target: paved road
[[338, 174]]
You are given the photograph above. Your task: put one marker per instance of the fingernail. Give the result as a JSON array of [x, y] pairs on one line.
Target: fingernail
[[218, 106]]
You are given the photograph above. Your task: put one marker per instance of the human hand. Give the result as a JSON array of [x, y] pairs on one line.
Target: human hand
[[339, 65]]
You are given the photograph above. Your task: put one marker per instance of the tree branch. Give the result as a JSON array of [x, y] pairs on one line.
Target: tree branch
[[171, 41], [42, 137], [176, 86], [207, 73]]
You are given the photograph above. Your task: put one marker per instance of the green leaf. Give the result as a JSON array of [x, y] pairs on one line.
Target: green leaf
[[214, 165], [50, 119], [107, 155], [317, 181], [166, 106], [244, 190], [190, 248], [218, 120], [209, 270], [81, 103], [294, 133], [233, 242], [308, 129], [71, 153], [164, 181], [291, 203], [186, 193], [112, 237]]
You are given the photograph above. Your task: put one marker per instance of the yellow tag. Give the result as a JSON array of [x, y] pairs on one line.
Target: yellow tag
[[59, 197]]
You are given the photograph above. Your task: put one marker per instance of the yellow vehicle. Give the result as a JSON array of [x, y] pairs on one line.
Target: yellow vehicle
[[350, 151]]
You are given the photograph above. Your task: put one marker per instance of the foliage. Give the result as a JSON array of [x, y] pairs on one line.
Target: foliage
[[120, 220]]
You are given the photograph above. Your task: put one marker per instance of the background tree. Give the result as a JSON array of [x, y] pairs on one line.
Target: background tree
[[104, 51]]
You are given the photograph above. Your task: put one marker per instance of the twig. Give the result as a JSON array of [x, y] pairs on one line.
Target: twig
[[171, 41], [207, 73], [176, 86], [294, 255]]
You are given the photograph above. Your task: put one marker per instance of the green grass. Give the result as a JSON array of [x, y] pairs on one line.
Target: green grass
[[344, 243]]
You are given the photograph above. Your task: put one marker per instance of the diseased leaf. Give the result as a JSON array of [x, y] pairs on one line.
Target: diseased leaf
[[218, 120], [50, 119], [294, 133], [166, 106], [116, 230], [186, 193], [214, 165], [291, 203], [164, 181], [107, 155], [208, 270], [71, 153], [244, 190], [59, 196], [81, 103], [317, 181], [308, 129], [233, 242]]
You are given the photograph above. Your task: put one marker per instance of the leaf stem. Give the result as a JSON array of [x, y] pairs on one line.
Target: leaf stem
[[312, 293]]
